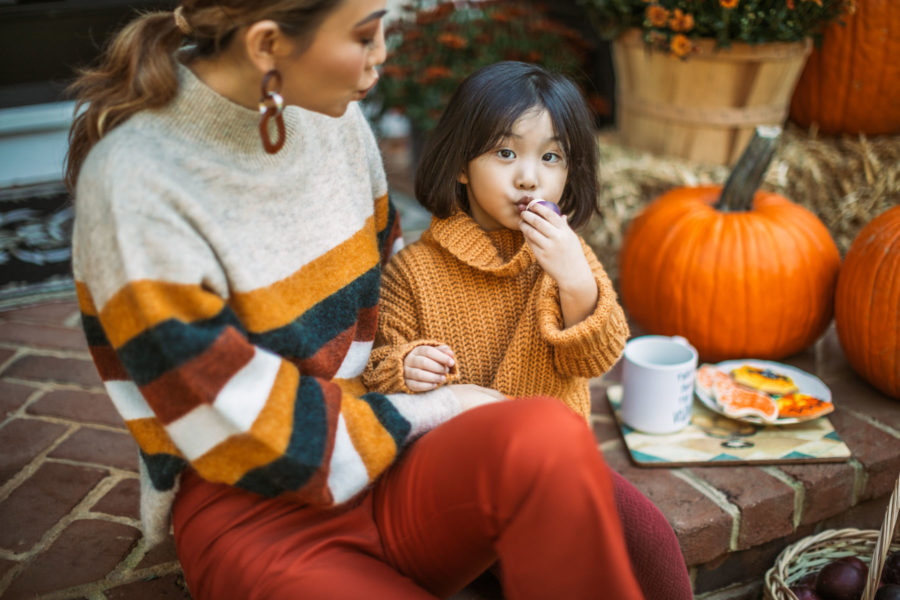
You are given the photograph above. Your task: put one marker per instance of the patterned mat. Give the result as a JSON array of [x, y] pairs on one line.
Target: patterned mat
[[35, 250]]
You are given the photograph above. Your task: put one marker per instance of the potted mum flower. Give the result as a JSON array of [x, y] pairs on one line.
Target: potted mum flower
[[432, 47], [695, 77], [677, 25]]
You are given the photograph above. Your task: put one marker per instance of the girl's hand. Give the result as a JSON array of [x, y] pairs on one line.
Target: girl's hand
[[426, 367], [558, 250]]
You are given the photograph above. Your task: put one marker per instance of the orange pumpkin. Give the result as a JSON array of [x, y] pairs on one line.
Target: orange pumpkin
[[750, 277], [852, 83], [867, 303]]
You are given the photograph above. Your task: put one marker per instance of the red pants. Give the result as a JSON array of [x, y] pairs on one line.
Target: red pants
[[518, 481]]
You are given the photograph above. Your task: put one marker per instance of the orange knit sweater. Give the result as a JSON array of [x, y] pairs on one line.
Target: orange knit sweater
[[484, 295]]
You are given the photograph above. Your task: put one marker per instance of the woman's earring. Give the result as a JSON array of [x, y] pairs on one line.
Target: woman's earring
[[271, 105]]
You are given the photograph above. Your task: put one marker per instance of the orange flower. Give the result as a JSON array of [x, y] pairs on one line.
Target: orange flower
[[680, 45], [729, 3], [680, 21], [390, 70], [790, 4], [435, 72], [451, 40], [819, 2], [501, 17], [657, 15]]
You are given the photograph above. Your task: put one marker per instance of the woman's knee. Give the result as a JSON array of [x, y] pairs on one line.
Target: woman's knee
[[541, 433]]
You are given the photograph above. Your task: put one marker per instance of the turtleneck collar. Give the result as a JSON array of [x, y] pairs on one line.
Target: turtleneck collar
[[503, 252], [204, 115]]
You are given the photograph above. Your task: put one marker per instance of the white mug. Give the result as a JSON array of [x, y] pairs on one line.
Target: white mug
[[658, 383]]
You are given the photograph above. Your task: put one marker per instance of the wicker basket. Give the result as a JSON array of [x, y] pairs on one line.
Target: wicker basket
[[813, 552]]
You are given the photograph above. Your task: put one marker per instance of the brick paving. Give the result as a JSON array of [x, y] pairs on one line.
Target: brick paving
[[68, 473], [69, 493]]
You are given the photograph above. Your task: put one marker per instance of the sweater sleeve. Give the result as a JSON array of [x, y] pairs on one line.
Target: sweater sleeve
[[398, 333], [195, 387], [591, 347]]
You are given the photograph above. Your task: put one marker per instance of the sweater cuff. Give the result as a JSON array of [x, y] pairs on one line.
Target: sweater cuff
[[426, 410], [591, 347], [388, 377]]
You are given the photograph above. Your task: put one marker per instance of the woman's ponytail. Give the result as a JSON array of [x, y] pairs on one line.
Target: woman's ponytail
[[137, 71]]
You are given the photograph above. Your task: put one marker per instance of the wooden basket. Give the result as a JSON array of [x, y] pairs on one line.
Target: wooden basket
[[703, 107], [812, 553]]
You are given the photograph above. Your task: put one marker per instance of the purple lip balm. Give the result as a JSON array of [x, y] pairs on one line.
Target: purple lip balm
[[546, 203]]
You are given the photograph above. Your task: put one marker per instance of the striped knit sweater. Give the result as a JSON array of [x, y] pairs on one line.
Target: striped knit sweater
[[484, 295], [229, 298]]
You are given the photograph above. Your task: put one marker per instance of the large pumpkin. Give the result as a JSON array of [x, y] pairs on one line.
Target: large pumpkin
[[754, 282], [867, 303], [851, 84]]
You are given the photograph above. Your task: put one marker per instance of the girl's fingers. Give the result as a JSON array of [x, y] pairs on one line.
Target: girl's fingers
[[422, 376], [427, 357]]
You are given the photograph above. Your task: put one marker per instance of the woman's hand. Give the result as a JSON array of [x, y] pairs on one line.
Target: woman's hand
[[426, 367], [558, 250], [472, 396]]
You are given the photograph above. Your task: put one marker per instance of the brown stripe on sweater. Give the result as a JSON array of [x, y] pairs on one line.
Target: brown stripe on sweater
[[199, 380]]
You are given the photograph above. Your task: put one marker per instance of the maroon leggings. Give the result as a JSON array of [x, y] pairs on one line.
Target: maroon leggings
[[518, 481]]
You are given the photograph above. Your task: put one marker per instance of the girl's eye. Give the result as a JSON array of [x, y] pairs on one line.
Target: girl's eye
[[368, 42], [552, 157], [506, 153]]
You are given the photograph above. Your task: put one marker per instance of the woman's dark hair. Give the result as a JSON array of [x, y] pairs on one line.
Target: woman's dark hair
[[482, 112], [137, 69]]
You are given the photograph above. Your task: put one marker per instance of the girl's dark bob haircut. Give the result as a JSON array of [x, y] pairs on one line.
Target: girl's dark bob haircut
[[482, 112]]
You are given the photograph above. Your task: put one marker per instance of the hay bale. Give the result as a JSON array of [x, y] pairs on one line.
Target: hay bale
[[846, 181]]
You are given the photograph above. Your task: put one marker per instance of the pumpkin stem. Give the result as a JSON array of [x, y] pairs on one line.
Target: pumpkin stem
[[747, 174]]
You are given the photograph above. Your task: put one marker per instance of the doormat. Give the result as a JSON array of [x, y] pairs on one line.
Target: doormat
[[713, 440], [35, 245]]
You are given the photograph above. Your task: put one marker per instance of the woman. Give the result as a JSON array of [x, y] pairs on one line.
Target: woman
[[232, 219]]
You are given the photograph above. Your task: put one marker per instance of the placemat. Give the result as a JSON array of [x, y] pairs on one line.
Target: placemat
[[711, 439]]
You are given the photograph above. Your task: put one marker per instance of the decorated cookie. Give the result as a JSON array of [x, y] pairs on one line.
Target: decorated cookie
[[740, 401], [707, 376], [802, 406], [764, 380]]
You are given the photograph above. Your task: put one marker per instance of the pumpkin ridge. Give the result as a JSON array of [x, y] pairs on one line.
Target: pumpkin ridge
[[766, 226], [664, 258], [873, 338], [690, 315]]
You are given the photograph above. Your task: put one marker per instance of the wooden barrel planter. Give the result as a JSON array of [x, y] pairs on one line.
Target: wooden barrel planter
[[703, 107]]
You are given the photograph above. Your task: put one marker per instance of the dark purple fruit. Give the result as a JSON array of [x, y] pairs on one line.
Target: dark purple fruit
[[891, 571], [805, 593], [890, 591], [840, 580], [808, 580], [855, 561]]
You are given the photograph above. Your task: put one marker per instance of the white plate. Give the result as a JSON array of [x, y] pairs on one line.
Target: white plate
[[806, 383]]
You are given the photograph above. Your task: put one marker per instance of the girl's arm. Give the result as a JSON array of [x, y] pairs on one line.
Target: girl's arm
[[592, 346], [558, 250], [398, 335]]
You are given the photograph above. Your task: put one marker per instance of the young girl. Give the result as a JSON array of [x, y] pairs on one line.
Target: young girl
[[494, 294], [510, 297]]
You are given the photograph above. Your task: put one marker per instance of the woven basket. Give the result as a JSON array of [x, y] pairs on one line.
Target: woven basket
[[811, 553]]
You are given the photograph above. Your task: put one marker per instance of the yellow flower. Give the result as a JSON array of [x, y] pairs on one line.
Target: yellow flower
[[729, 3], [680, 21], [657, 15], [680, 45]]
